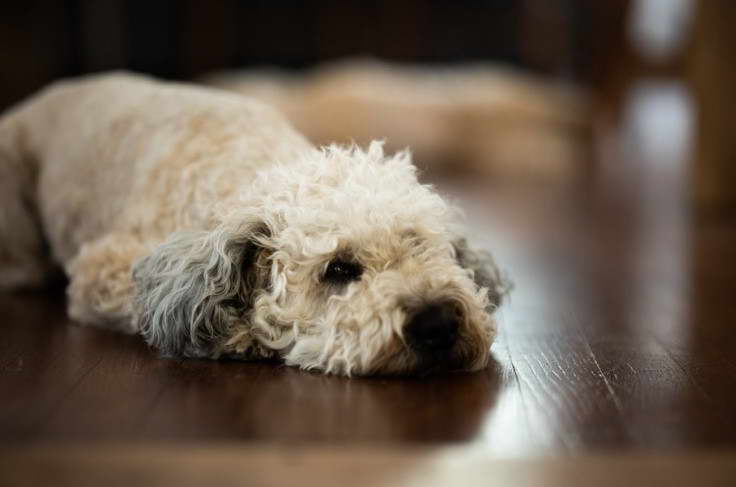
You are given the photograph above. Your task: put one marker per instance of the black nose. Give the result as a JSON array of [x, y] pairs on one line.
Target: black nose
[[433, 330]]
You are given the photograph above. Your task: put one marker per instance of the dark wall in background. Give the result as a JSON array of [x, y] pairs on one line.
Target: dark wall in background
[[44, 40]]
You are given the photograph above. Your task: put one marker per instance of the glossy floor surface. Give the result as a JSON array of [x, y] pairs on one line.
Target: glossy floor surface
[[619, 337]]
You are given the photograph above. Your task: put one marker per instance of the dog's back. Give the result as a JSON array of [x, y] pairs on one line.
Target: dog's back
[[124, 153]]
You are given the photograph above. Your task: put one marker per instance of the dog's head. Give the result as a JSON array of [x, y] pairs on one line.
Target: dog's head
[[342, 262]]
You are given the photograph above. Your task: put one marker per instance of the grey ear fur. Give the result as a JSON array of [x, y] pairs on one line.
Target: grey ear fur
[[485, 272], [190, 289]]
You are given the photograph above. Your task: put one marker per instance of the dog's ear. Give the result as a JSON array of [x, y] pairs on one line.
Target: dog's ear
[[192, 287], [485, 272]]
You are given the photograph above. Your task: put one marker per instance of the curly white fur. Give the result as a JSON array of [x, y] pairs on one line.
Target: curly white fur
[[204, 222]]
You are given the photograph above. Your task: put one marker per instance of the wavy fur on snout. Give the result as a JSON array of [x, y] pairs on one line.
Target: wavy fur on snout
[[204, 222]]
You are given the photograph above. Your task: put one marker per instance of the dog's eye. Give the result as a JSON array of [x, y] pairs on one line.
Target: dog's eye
[[342, 272]]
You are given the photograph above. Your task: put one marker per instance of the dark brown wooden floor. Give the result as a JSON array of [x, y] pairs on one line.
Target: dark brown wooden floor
[[619, 337], [620, 334]]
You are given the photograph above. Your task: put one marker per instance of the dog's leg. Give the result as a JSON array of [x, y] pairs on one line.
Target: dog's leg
[[101, 286], [24, 257]]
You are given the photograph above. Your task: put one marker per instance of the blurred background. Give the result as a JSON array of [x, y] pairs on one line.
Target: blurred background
[[44, 40], [525, 88]]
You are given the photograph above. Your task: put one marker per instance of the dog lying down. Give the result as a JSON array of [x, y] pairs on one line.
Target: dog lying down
[[201, 220]]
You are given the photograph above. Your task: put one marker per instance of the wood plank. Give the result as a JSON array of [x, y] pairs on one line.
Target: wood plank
[[226, 465]]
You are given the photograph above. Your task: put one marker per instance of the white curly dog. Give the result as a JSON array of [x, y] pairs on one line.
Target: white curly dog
[[203, 221]]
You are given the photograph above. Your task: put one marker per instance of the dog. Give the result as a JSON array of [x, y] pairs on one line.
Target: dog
[[203, 221], [478, 118]]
